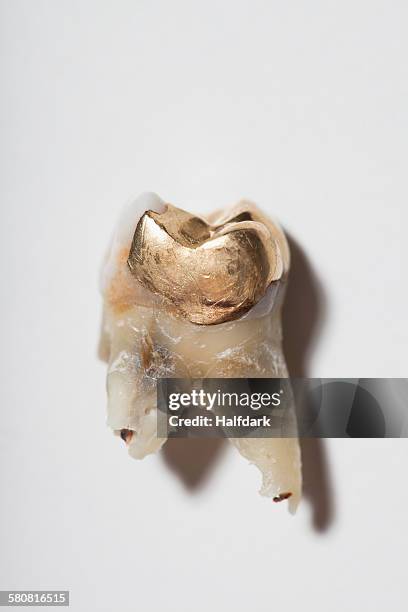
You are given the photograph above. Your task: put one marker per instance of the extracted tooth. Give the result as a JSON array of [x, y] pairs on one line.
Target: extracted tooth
[[188, 297]]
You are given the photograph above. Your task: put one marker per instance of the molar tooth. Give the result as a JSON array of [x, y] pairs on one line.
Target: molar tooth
[[191, 297]]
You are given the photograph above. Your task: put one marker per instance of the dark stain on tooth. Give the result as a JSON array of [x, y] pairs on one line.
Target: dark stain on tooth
[[126, 435], [281, 497]]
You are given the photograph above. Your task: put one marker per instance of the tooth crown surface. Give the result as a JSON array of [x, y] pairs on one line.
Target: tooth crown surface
[[210, 272]]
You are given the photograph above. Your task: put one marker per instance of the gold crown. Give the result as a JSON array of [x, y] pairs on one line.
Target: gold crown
[[210, 271]]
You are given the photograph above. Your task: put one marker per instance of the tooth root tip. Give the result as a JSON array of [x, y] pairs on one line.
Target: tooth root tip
[[126, 435]]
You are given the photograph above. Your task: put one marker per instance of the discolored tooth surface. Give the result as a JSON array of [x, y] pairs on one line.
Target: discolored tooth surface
[[126, 435]]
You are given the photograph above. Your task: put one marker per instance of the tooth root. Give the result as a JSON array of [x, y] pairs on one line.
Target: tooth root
[[279, 462], [185, 297]]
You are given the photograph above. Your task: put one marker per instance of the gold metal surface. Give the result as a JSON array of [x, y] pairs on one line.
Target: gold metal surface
[[210, 271]]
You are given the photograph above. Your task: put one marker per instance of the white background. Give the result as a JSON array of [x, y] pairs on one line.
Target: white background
[[301, 106]]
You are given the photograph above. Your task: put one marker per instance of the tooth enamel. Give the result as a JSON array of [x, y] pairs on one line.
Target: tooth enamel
[[165, 315]]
